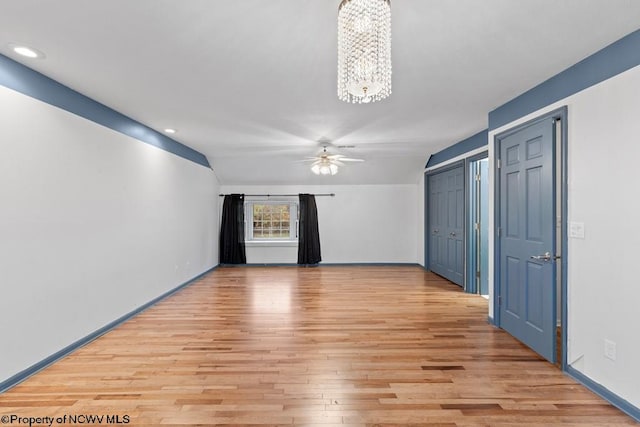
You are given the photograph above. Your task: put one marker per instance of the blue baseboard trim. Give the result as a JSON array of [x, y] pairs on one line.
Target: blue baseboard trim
[[277, 264], [329, 264], [23, 375], [603, 392], [36, 85], [370, 264]]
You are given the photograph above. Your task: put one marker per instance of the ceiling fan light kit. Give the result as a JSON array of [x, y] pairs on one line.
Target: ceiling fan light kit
[[364, 50], [324, 167], [326, 163]]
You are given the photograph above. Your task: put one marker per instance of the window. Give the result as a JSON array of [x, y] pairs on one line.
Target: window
[[271, 221]]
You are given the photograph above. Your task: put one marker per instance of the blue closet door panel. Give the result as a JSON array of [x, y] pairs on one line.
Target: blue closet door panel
[[446, 224]]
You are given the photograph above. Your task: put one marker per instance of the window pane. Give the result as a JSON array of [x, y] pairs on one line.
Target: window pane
[[271, 221]]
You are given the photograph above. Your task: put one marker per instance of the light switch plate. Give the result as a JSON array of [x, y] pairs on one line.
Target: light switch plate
[[610, 349], [576, 230]]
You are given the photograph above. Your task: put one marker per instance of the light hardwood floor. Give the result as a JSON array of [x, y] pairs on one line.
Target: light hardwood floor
[[312, 346]]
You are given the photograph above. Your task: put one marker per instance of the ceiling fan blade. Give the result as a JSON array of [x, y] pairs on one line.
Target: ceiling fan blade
[[305, 160], [343, 157], [324, 158]]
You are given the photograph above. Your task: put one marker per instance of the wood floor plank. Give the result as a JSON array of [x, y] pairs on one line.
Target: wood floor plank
[[348, 346]]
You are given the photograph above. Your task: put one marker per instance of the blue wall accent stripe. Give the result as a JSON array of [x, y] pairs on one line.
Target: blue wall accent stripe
[[614, 59], [23, 375], [36, 85], [605, 393], [478, 140]]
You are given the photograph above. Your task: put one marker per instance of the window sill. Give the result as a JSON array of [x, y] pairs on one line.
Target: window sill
[[271, 243]]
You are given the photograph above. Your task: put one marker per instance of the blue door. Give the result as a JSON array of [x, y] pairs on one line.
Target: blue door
[[437, 227], [527, 236], [446, 224], [454, 265]]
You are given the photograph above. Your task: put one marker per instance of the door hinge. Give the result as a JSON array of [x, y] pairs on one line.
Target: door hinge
[[499, 299], [477, 274], [476, 226], [499, 231], [478, 177], [498, 163]]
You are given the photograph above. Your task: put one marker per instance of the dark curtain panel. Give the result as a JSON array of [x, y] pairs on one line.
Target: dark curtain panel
[[308, 236], [232, 230]]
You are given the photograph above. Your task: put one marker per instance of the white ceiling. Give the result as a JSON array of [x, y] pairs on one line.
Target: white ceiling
[[252, 83]]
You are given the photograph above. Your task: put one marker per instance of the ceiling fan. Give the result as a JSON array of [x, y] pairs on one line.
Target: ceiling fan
[[325, 163]]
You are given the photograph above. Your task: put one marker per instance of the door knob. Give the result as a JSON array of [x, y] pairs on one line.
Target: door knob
[[436, 230], [545, 257], [452, 234]]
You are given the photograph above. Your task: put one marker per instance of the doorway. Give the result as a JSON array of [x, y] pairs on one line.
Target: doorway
[[478, 244]]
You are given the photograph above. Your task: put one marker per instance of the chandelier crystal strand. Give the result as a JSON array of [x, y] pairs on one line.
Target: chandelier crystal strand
[[364, 50]]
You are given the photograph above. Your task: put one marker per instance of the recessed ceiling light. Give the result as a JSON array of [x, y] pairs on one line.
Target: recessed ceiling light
[[169, 130], [26, 51]]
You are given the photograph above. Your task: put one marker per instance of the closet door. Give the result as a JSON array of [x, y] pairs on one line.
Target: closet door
[[437, 226], [446, 224], [455, 226]]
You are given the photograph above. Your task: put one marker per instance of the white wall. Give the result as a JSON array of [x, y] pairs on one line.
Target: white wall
[[361, 224], [93, 224], [603, 286]]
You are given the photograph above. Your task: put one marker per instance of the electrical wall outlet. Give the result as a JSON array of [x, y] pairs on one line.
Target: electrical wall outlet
[[609, 349]]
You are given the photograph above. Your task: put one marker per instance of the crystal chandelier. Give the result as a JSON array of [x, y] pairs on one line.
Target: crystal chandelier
[[364, 50]]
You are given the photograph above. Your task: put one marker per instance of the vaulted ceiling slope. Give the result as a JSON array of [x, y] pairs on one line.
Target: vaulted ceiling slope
[[252, 83]]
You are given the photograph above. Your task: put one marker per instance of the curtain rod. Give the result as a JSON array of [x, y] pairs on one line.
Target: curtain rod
[[280, 195]]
